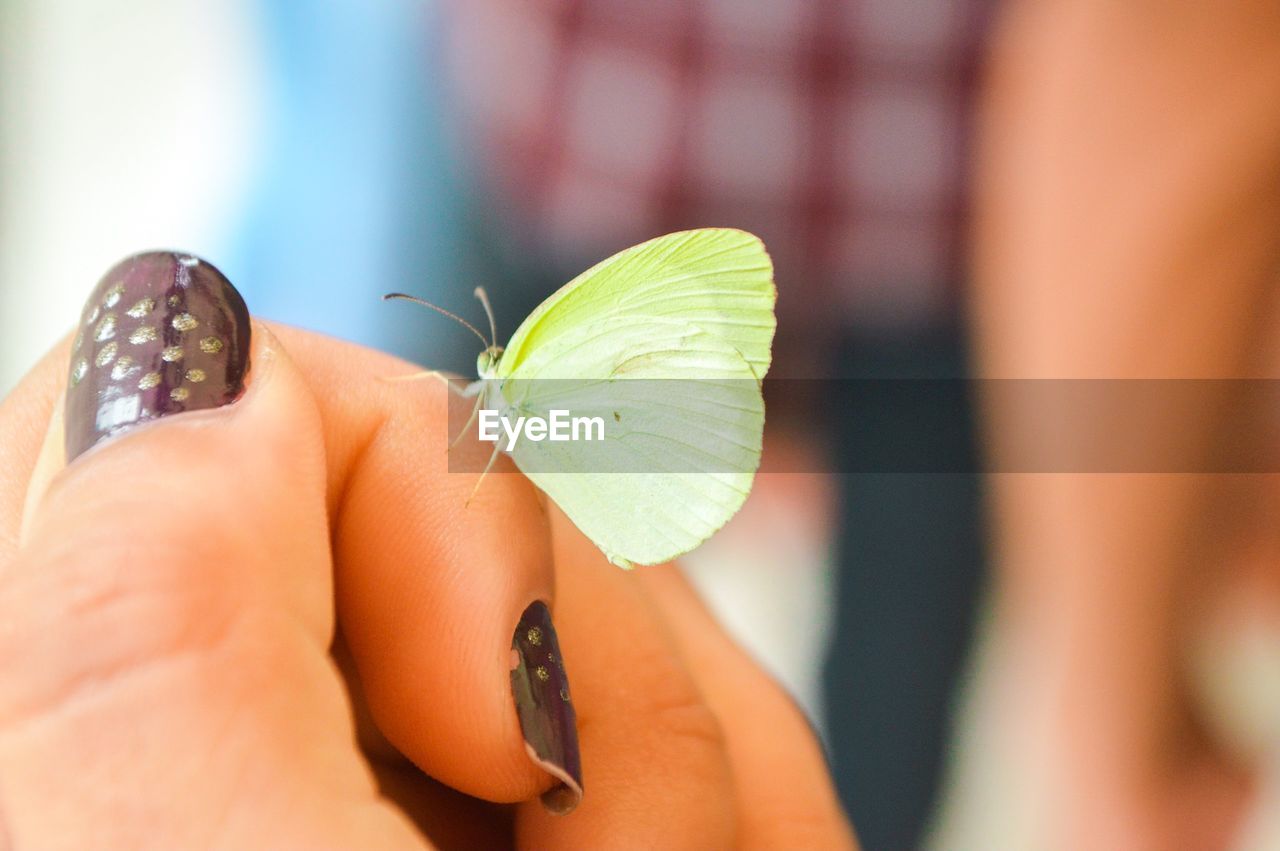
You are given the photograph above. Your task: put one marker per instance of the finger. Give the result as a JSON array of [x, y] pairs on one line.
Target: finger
[[166, 623], [653, 751], [782, 784], [430, 589]]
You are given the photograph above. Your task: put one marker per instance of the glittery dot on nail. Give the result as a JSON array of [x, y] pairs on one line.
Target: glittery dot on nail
[[171, 354], [149, 381], [210, 345], [534, 635], [185, 322], [108, 354], [179, 394], [106, 328], [142, 308], [174, 300], [93, 315], [79, 371], [195, 376], [564, 693], [124, 368], [143, 334], [75, 347], [542, 673], [112, 296]]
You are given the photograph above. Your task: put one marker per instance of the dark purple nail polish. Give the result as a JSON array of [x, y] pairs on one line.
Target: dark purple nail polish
[[543, 703], [162, 333]]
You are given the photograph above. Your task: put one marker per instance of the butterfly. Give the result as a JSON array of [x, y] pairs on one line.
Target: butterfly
[[667, 343]]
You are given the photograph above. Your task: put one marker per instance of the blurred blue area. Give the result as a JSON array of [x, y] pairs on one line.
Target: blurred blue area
[[357, 192]]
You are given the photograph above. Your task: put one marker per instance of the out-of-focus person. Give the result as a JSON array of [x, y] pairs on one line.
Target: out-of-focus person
[[1130, 229]]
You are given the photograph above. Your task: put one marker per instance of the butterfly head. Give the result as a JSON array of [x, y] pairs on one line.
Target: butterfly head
[[487, 362]]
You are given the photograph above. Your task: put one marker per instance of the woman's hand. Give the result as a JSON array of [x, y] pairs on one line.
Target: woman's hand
[[169, 601]]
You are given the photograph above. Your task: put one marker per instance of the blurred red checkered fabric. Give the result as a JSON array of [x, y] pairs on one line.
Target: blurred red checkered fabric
[[835, 130]]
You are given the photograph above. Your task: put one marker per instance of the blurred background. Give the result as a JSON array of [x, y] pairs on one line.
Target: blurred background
[[323, 154]]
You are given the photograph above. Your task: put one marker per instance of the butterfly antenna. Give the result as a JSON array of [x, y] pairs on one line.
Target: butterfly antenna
[[455, 317], [488, 309]]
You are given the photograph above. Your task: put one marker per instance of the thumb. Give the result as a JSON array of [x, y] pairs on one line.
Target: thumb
[[164, 627]]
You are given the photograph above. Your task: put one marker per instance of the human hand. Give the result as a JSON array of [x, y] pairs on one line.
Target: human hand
[[273, 623]]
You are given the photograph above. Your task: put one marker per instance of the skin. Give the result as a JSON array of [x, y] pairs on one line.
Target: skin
[[1128, 211], [274, 624]]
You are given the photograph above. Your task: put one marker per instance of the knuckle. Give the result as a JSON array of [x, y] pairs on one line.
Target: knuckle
[[685, 717], [671, 704]]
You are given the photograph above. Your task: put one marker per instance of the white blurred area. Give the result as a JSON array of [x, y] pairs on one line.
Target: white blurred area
[[124, 125]]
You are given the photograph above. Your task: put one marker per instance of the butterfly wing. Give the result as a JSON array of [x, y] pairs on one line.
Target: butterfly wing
[[682, 416], [666, 343], [717, 279]]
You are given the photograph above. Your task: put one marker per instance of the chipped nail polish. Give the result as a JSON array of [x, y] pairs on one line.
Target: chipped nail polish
[[545, 708], [161, 333]]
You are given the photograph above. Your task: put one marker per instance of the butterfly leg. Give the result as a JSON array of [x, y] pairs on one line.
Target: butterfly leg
[[430, 373], [487, 467], [475, 411]]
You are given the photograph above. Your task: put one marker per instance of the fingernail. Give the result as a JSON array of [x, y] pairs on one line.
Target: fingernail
[[543, 703], [162, 333]]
